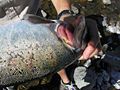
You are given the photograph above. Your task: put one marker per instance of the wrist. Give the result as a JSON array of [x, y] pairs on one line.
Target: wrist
[[64, 13]]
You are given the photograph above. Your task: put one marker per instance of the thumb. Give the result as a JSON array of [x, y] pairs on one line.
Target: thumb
[[88, 51]]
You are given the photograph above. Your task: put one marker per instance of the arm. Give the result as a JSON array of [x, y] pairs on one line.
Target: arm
[[61, 5], [65, 33]]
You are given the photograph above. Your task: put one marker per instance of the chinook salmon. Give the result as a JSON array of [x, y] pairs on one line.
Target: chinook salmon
[[29, 51]]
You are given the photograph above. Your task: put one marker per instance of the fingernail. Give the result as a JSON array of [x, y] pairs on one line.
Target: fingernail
[[81, 58]]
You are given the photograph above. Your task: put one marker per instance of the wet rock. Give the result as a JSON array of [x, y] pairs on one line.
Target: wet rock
[[85, 78], [114, 28], [107, 2], [89, 79]]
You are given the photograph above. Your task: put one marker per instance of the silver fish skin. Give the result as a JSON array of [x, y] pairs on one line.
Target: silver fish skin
[[29, 51]]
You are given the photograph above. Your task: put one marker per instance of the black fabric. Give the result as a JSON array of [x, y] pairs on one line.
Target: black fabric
[[34, 6], [64, 12], [92, 30]]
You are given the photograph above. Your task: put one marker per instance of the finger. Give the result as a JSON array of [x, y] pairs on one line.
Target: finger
[[97, 50], [81, 58], [94, 53], [88, 51]]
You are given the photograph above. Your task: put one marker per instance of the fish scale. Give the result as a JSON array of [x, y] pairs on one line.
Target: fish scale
[[29, 51]]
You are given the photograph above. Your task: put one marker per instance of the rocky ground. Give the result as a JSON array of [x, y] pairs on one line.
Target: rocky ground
[[109, 8]]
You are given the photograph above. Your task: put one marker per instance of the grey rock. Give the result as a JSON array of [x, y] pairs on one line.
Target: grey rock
[[85, 77], [90, 79]]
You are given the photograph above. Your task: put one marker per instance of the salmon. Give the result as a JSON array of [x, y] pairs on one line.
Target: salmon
[[29, 51]]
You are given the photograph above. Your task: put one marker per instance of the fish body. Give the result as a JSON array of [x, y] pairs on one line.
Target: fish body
[[29, 51]]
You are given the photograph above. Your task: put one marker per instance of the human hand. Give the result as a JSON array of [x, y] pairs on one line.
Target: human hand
[[94, 45], [90, 51], [65, 32]]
